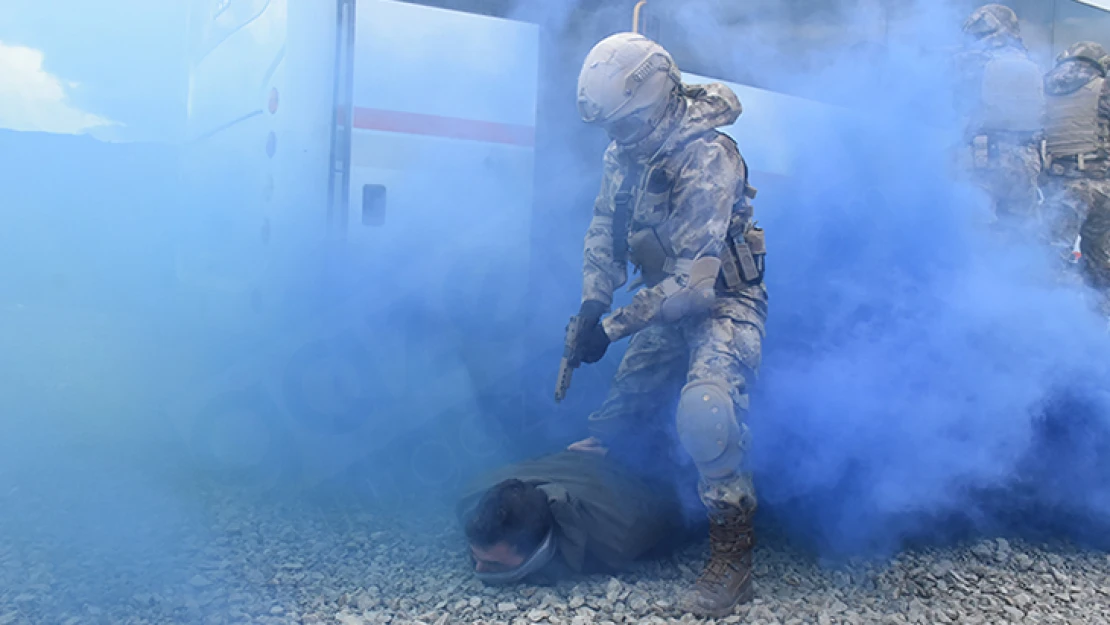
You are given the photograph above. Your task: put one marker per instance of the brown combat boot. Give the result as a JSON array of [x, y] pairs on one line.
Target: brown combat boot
[[726, 581]]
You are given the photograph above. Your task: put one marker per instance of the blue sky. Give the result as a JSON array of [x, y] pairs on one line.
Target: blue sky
[[113, 68]]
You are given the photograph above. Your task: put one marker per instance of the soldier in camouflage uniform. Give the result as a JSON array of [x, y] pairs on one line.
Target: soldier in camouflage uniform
[[1003, 99], [1077, 155], [674, 202]]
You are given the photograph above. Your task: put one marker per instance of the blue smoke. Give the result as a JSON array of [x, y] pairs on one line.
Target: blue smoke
[[925, 376]]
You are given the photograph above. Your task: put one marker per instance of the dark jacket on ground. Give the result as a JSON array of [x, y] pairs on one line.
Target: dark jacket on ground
[[605, 514]]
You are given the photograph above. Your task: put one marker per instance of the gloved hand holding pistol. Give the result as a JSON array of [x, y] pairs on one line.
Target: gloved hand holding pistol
[[586, 341], [592, 341]]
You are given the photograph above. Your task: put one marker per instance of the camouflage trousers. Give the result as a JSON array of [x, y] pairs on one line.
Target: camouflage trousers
[[1092, 198], [1010, 180], [724, 347]]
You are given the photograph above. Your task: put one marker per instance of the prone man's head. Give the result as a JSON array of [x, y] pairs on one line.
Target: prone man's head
[[508, 528]]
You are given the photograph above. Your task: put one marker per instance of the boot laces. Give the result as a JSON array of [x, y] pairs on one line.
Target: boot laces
[[730, 539], [715, 572]]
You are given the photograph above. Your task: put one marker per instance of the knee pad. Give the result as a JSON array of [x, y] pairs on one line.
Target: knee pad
[[707, 426]]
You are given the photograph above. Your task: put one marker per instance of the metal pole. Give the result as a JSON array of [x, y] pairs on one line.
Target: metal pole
[[636, 15]]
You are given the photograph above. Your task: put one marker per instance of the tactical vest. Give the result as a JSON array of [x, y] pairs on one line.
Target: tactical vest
[[643, 203], [1011, 96], [1073, 128]]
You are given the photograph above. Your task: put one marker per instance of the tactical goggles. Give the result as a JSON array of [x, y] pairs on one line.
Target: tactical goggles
[[628, 129]]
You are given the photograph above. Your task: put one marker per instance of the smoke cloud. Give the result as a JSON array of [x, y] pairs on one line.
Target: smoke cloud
[[925, 376]]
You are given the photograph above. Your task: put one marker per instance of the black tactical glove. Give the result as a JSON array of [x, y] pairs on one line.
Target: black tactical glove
[[590, 313], [592, 341], [593, 344]]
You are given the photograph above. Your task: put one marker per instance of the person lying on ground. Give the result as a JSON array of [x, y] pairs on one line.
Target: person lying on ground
[[575, 511]]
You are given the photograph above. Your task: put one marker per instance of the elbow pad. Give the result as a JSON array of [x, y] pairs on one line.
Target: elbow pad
[[698, 294]]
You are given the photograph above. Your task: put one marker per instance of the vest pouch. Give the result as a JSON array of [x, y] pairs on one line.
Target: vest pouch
[[742, 262], [758, 246], [746, 258], [756, 241]]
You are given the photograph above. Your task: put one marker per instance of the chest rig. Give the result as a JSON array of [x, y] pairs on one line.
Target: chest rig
[[642, 207], [1075, 131]]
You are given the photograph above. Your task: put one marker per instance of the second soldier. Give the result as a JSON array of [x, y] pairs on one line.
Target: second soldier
[[1003, 99]]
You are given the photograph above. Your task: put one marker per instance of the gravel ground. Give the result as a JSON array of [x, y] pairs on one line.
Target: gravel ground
[[276, 564]]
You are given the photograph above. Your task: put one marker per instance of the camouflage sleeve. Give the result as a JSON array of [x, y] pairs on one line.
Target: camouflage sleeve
[[1104, 101], [702, 198], [601, 274]]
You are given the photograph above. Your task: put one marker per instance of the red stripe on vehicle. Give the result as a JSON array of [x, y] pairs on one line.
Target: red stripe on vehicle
[[448, 127]]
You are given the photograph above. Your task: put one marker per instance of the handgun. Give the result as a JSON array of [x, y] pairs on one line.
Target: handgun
[[570, 360]]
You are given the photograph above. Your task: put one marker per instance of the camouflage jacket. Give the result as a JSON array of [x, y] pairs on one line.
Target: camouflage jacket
[[1067, 78], [706, 178]]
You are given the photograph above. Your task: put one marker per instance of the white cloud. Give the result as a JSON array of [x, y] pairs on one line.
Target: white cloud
[[33, 99], [1100, 4]]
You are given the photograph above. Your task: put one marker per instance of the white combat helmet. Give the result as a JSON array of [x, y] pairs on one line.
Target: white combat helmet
[[625, 76]]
